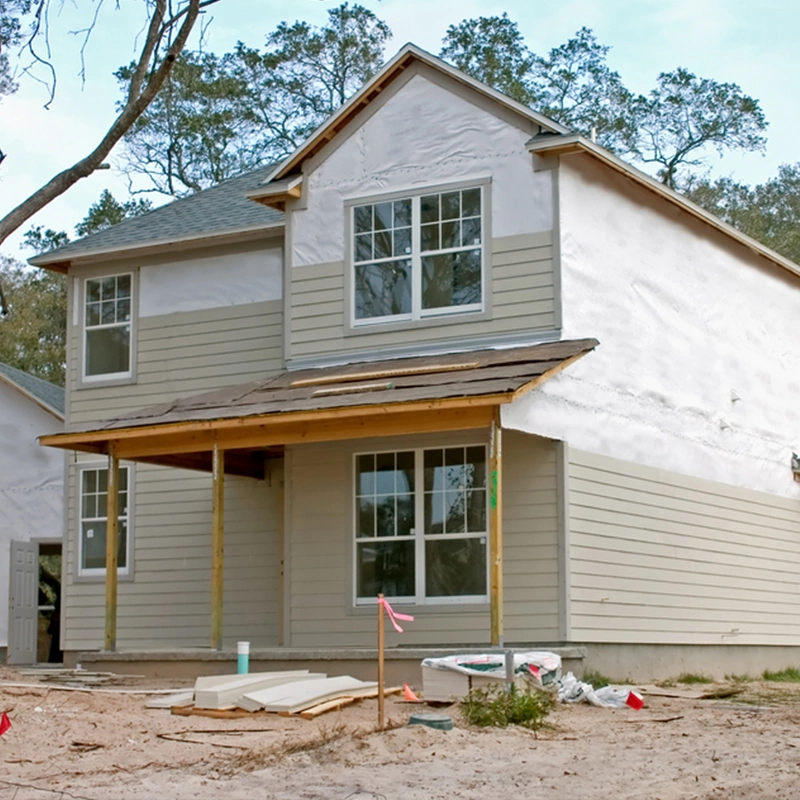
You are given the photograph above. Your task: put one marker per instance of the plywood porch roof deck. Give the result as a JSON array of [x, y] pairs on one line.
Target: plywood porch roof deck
[[419, 394]]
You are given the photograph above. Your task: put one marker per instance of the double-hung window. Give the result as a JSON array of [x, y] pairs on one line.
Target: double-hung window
[[421, 525], [419, 256], [107, 327], [94, 518]]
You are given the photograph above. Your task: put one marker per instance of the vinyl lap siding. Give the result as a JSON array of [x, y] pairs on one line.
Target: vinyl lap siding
[[321, 549], [168, 602], [523, 299], [661, 557], [187, 353], [530, 538]]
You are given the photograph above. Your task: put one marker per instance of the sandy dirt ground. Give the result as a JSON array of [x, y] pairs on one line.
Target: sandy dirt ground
[[96, 745]]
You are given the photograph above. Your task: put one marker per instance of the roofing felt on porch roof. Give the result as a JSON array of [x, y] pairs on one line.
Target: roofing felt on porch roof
[[425, 392]]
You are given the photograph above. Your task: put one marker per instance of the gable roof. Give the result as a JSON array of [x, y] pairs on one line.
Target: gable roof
[[407, 55], [46, 395], [222, 210], [565, 145]]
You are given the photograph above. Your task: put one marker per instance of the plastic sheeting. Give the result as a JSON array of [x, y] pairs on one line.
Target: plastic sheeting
[[540, 667], [213, 282], [31, 482], [698, 369], [422, 136]]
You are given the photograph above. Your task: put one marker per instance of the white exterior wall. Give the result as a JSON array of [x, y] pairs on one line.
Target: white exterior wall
[[698, 368], [424, 134], [31, 482]]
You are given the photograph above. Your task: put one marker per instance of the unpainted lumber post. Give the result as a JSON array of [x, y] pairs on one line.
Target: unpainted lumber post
[[112, 547], [217, 543], [496, 529], [381, 643]]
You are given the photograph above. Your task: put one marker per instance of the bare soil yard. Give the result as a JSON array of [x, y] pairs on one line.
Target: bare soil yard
[[100, 745]]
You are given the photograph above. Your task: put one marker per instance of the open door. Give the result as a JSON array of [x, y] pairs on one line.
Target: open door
[[23, 612]]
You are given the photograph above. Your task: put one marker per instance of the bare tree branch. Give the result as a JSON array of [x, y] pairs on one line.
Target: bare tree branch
[[151, 72]]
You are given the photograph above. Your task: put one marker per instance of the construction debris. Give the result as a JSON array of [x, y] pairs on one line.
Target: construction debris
[[223, 691], [290, 693], [454, 676]]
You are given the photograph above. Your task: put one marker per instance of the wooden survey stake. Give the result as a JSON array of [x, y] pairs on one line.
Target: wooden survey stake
[[381, 642]]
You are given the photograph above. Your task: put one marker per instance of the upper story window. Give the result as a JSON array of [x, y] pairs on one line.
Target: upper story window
[[107, 327], [417, 257]]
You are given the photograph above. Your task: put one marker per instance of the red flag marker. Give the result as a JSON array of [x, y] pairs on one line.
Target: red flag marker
[[5, 723]]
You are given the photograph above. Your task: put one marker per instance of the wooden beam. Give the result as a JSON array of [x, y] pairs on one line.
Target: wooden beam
[[92, 441], [217, 544], [112, 546], [275, 432], [496, 529], [384, 373]]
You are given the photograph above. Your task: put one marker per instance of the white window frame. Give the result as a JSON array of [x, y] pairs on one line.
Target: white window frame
[[125, 375], [418, 314], [127, 517], [419, 537]]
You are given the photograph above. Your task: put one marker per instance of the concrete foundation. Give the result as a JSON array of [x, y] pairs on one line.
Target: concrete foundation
[[647, 662], [402, 664]]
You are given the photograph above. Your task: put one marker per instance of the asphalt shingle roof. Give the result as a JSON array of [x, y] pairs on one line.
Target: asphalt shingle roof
[[48, 393], [219, 209]]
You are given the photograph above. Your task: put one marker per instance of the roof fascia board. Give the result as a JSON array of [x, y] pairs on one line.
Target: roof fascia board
[[276, 195], [158, 246], [32, 397], [407, 55], [574, 143]]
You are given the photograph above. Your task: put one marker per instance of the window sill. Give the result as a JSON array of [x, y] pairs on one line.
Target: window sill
[[426, 608], [122, 577], [104, 382], [451, 319]]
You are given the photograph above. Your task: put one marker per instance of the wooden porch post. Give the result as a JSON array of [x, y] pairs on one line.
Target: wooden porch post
[[217, 544], [496, 529], [112, 546]]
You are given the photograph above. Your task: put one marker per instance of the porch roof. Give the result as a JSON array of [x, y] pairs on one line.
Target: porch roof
[[419, 394]]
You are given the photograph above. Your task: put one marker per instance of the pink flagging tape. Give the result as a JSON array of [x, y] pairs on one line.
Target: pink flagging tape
[[394, 615]]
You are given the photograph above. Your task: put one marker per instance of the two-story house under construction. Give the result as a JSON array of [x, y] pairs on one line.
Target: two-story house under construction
[[451, 352]]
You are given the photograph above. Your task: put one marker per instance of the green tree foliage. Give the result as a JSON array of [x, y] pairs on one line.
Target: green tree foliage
[[684, 115], [493, 51], [192, 135], [672, 128], [11, 35], [33, 334], [218, 117], [575, 86], [108, 211], [769, 212], [41, 239]]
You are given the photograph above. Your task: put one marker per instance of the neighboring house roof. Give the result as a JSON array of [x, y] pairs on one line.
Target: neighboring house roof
[[564, 145], [482, 377], [47, 395], [223, 210]]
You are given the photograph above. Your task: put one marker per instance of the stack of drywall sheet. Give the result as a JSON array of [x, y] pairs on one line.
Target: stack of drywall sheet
[[293, 697], [179, 700], [443, 684], [222, 691]]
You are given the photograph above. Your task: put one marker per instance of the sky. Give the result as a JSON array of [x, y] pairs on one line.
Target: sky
[[726, 40]]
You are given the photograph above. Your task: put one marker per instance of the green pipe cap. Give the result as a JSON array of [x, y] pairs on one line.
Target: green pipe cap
[[441, 722]]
